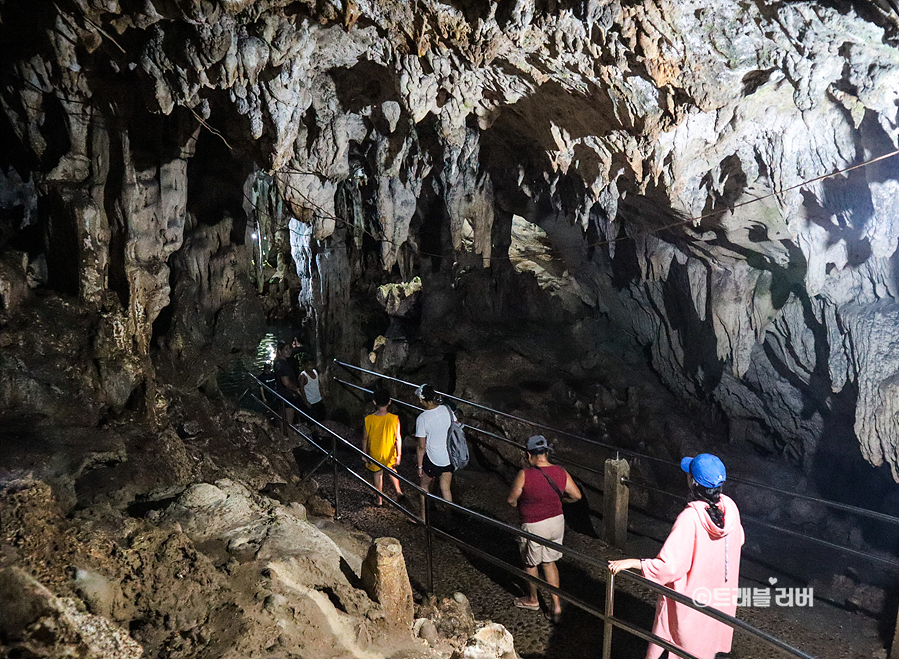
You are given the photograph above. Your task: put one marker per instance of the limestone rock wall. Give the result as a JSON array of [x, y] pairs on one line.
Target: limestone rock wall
[[677, 155]]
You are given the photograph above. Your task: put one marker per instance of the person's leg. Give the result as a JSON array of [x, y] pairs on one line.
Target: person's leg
[[425, 484], [551, 574], [396, 485], [288, 414], [379, 483], [532, 587], [446, 480]]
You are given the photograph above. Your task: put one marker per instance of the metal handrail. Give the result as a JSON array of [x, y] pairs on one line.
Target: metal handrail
[[506, 440], [863, 512], [731, 621], [779, 529], [484, 407], [756, 521]]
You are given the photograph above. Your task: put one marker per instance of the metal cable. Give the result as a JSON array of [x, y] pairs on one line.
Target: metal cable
[[757, 522], [662, 590], [576, 601], [489, 409], [863, 512], [779, 529], [506, 440]]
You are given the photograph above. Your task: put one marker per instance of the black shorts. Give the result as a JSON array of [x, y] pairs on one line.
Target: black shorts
[[432, 470], [318, 411]]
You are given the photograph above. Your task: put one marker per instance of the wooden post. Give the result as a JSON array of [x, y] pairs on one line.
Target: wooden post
[[615, 502]]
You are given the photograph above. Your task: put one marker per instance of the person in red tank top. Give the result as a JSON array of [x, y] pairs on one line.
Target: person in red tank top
[[537, 493]]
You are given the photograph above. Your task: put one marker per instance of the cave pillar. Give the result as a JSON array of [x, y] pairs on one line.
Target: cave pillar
[[386, 581]]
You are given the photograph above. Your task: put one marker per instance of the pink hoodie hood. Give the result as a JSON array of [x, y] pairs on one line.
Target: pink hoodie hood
[[731, 517]]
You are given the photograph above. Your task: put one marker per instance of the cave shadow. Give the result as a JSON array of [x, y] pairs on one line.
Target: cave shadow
[[578, 633], [486, 537], [697, 336], [579, 515]]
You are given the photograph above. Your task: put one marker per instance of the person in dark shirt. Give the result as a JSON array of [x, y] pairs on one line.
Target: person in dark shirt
[[538, 492], [269, 381], [286, 379]]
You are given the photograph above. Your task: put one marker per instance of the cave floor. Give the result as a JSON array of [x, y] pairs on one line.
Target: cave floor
[[824, 630]]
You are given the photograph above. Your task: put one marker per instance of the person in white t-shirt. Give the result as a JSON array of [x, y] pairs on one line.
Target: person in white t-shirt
[[431, 430], [310, 387]]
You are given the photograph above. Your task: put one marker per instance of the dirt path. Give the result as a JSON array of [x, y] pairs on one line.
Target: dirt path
[[822, 631]]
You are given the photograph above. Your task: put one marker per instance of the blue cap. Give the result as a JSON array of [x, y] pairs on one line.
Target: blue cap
[[538, 444], [706, 469]]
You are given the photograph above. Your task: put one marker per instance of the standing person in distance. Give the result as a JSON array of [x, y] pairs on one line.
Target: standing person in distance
[[537, 492], [431, 428], [700, 555], [382, 441], [286, 379], [310, 385]]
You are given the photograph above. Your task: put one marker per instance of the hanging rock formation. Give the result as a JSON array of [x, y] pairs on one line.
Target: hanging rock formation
[[173, 160]]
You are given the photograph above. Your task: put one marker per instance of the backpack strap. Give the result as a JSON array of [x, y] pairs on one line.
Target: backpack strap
[[550, 481]]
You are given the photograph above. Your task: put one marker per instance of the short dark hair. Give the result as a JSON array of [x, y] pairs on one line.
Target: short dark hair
[[381, 397], [426, 393]]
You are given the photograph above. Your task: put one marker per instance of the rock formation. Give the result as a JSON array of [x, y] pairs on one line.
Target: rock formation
[[180, 171], [668, 203]]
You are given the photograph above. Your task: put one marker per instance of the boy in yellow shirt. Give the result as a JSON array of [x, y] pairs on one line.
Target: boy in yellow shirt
[[382, 441]]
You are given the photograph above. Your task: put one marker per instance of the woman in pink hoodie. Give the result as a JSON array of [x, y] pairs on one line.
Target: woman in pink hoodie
[[700, 559]]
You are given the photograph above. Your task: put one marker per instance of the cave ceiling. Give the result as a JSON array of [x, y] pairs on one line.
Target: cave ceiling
[[693, 163]]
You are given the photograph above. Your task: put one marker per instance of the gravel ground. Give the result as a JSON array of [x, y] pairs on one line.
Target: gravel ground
[[823, 631]]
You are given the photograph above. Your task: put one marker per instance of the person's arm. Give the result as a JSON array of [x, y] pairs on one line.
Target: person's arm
[[288, 383], [571, 489], [365, 441], [515, 492], [399, 443], [301, 389], [676, 556], [624, 564], [420, 452], [421, 434]]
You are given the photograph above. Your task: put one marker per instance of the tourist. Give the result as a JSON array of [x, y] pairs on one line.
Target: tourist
[[381, 440], [286, 381], [268, 383], [700, 557], [310, 386], [431, 428], [538, 493]]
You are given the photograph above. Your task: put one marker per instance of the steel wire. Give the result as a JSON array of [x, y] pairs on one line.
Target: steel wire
[[863, 512], [731, 621]]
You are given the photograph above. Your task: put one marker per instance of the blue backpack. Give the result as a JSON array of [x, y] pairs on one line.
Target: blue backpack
[[456, 445]]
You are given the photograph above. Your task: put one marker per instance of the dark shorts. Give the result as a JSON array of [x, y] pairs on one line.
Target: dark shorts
[[432, 470], [289, 395], [318, 411]]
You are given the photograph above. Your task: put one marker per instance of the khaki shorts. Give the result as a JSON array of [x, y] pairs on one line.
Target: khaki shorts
[[532, 552]]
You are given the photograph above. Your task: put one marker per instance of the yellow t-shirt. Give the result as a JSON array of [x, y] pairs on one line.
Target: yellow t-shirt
[[382, 433]]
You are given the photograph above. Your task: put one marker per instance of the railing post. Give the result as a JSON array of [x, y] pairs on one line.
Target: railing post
[[336, 488], [615, 502], [427, 514], [607, 626], [894, 648], [283, 418]]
